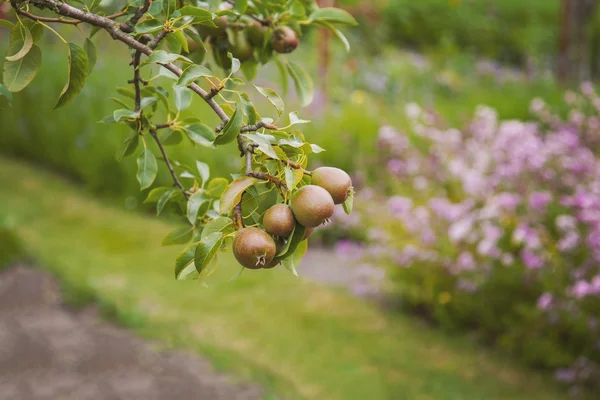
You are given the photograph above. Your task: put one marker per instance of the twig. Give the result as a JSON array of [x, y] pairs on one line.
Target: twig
[[294, 165], [161, 35], [238, 220], [61, 20], [129, 26], [269, 178], [257, 126], [163, 126], [117, 34], [169, 166]]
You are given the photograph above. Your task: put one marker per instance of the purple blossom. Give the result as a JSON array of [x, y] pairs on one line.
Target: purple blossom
[[581, 289], [539, 200], [349, 249], [531, 260], [465, 261], [545, 301], [400, 205], [395, 166]]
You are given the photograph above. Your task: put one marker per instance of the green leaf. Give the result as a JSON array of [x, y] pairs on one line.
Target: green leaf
[[295, 120], [147, 168], [292, 243], [292, 177], [293, 260], [206, 250], [249, 109], [195, 37], [231, 129], [78, 72], [92, 55], [250, 69], [95, 3], [169, 7], [337, 33], [124, 114], [199, 14], [183, 97], [128, 147], [273, 97], [155, 8], [240, 6], [223, 225], [233, 193], [6, 24], [347, 204], [172, 138], [109, 119], [200, 134], [302, 83], [18, 74], [36, 29], [235, 64], [192, 73], [333, 15], [264, 143], [165, 198], [155, 194], [184, 263], [203, 170], [193, 205], [26, 41], [147, 101], [316, 148], [283, 74], [127, 92], [179, 37], [178, 236], [5, 94], [216, 187], [149, 26], [162, 57]]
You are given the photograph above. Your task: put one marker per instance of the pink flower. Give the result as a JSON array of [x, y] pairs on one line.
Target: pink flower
[[539, 200], [465, 261], [545, 301], [531, 260], [580, 289], [400, 205], [395, 166]]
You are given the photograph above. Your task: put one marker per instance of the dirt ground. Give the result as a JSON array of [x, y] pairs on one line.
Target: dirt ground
[[49, 351]]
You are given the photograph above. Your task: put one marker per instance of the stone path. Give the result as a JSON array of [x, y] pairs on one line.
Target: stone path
[[48, 351]]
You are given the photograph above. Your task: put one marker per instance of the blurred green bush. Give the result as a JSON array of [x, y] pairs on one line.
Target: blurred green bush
[[506, 30]]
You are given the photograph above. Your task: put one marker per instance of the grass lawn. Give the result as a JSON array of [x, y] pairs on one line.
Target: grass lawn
[[298, 339]]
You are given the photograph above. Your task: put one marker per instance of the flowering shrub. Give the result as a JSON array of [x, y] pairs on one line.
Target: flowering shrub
[[496, 228]]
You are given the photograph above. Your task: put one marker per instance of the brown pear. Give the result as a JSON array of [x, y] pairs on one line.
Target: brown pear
[[336, 181], [312, 205], [279, 220], [253, 248]]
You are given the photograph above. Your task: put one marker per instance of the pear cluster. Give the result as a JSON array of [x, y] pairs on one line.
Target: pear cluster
[[246, 39], [310, 206]]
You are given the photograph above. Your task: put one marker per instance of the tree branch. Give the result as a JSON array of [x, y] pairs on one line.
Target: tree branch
[[61, 20], [169, 166], [129, 26], [161, 35], [117, 34]]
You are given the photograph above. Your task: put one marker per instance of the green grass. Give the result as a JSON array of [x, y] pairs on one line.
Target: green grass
[[298, 339]]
